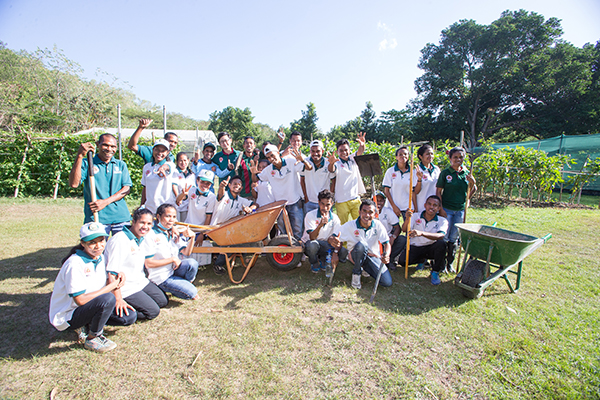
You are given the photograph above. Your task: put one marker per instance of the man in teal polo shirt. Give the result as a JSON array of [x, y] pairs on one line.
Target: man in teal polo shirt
[[146, 151], [112, 183]]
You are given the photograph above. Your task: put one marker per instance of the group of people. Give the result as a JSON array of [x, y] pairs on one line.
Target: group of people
[[125, 278]]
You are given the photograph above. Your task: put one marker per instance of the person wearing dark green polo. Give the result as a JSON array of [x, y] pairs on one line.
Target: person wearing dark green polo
[[112, 183], [146, 151]]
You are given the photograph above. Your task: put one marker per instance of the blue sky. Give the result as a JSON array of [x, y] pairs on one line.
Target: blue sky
[[274, 57]]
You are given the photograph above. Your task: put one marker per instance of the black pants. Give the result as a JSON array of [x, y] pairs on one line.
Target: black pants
[[147, 303], [436, 250], [94, 313]]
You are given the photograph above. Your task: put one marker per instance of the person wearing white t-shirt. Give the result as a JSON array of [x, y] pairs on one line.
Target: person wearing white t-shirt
[[427, 232], [262, 191], [321, 226], [170, 268], [315, 180], [430, 176], [82, 299], [201, 201], [390, 220], [158, 178], [347, 182], [396, 183], [126, 252], [363, 236], [230, 204], [184, 180], [282, 174]]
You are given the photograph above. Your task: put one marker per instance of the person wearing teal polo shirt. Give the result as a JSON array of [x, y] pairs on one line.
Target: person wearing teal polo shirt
[[146, 151], [113, 183], [227, 158]]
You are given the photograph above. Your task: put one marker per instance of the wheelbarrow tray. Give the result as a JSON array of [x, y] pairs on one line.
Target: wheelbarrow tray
[[496, 248], [247, 228], [509, 247]]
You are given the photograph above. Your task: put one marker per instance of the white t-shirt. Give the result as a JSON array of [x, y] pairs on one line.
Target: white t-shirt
[[312, 220], [78, 275], [182, 181], [163, 247], [436, 225], [126, 253], [348, 182], [200, 205], [159, 190], [316, 179], [285, 182], [352, 232], [264, 193], [428, 185], [389, 219], [228, 207], [399, 183]]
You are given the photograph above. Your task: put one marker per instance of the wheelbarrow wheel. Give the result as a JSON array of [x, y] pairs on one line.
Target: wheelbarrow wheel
[[284, 261], [472, 275]]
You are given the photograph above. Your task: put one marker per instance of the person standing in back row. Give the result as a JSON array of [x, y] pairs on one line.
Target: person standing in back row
[[146, 151], [112, 183]]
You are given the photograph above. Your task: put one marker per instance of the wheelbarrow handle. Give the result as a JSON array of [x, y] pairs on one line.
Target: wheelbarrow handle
[[548, 236]]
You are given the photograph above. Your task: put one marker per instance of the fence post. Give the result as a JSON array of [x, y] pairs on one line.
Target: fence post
[[22, 165], [62, 148]]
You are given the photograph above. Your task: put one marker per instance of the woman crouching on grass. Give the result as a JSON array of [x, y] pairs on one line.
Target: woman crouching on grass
[[126, 253], [82, 298], [166, 269]]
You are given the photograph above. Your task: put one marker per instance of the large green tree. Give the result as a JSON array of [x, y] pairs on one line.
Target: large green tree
[[307, 125], [513, 73]]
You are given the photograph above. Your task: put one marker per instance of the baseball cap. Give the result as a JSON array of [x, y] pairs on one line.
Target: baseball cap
[[161, 142], [91, 231], [206, 175], [270, 148], [316, 143], [380, 193], [209, 144]]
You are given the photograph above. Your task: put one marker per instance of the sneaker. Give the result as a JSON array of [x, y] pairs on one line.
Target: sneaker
[[420, 266], [99, 344], [315, 268], [365, 274], [356, 281], [219, 270], [450, 269], [304, 257], [435, 278], [82, 334]]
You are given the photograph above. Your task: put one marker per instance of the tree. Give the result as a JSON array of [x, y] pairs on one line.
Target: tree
[[307, 125], [392, 127], [237, 122], [509, 74], [368, 121]]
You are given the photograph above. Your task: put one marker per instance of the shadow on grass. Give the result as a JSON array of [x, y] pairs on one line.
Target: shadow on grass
[[43, 264], [411, 296]]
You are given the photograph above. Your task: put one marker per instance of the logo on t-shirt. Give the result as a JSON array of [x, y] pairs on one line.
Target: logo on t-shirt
[[394, 175], [418, 221], [272, 173], [357, 233], [96, 169], [87, 270], [425, 177], [220, 159], [448, 178], [147, 172]]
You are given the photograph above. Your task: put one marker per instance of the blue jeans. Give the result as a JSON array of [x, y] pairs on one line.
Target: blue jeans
[[180, 283], [453, 217], [309, 206], [317, 250], [370, 264], [296, 215], [115, 228]]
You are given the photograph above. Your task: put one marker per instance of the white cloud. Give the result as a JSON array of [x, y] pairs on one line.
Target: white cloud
[[390, 42]]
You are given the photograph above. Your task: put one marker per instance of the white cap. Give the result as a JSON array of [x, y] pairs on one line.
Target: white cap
[[161, 142], [206, 175], [317, 143], [270, 148], [91, 231]]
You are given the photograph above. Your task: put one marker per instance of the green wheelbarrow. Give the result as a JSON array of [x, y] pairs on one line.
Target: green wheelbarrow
[[488, 247]]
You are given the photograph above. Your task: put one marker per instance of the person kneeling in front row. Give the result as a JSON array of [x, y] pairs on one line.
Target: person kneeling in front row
[[321, 228], [364, 236], [427, 231]]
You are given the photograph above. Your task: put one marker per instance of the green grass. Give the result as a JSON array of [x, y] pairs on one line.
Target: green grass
[[287, 335]]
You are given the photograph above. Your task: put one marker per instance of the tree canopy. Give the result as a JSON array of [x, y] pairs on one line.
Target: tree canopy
[[514, 73]]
